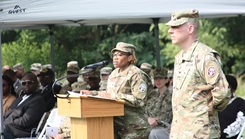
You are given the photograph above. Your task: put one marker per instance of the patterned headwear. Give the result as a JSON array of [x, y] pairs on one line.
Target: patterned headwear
[[124, 47], [36, 66], [17, 66], [73, 66], [160, 73], [182, 17], [106, 70]]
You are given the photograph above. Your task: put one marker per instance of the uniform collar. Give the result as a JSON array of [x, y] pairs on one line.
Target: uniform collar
[[125, 72], [186, 56]]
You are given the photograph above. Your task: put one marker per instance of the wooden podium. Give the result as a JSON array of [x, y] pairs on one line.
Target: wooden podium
[[91, 117]]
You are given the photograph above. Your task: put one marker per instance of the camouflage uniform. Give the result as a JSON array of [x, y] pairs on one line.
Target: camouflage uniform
[[65, 88], [159, 106], [132, 86], [103, 85], [199, 91]]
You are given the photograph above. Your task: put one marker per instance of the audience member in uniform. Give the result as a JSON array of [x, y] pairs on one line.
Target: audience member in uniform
[[47, 66], [25, 112], [36, 68], [94, 80], [146, 67], [129, 83], [19, 70], [18, 87], [158, 106], [229, 119], [9, 94], [72, 69], [85, 73], [104, 73], [46, 78]]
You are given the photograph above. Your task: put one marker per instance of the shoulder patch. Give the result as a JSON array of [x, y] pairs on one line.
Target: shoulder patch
[[142, 87], [211, 71]]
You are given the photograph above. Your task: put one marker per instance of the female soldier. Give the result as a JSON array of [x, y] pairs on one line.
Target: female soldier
[[158, 106], [129, 83]]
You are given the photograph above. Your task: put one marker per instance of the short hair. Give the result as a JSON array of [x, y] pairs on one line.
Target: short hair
[[232, 81]]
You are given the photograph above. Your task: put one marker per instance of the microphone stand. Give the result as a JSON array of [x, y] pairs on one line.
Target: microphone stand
[[73, 75]]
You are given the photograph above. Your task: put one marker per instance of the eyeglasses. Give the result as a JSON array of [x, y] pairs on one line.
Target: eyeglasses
[[29, 82], [120, 55]]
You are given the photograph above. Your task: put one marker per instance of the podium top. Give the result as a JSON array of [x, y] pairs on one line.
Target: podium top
[[83, 106]]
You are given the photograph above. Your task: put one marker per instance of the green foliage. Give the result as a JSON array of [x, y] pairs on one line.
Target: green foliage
[[241, 86], [144, 43], [25, 51], [90, 44]]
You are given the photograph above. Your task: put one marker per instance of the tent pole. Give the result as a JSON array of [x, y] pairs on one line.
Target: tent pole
[[156, 32], [1, 87], [51, 33]]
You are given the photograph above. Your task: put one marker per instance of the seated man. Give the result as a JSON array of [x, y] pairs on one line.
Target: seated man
[[46, 78], [25, 112]]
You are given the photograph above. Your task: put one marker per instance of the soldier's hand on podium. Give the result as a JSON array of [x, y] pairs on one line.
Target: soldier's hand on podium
[[104, 94], [85, 92]]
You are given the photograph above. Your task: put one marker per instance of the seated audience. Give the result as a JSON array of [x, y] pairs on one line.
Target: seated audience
[[232, 117], [46, 78], [19, 70], [72, 69], [18, 87], [104, 73], [25, 112], [9, 94], [36, 68], [158, 106]]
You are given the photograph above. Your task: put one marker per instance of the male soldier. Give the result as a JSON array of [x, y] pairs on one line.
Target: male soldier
[[200, 89], [47, 66], [19, 70], [146, 67], [104, 73], [36, 68], [94, 80], [46, 78], [72, 68]]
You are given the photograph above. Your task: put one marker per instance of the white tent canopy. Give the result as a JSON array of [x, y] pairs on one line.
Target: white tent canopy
[[19, 14], [35, 13]]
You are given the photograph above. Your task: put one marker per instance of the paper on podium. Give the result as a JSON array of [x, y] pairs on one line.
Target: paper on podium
[[78, 94]]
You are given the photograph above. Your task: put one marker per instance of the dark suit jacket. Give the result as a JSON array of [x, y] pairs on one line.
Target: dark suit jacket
[[20, 120], [49, 96]]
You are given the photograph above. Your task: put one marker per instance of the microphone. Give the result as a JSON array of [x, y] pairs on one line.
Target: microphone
[[96, 65]]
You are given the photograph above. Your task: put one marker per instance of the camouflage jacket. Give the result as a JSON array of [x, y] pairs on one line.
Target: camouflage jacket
[[131, 85], [159, 106], [65, 88], [200, 89]]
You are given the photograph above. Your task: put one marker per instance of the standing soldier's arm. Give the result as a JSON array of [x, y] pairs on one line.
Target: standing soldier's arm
[[215, 77]]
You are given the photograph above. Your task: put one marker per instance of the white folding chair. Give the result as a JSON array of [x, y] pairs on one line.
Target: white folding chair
[[54, 120]]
